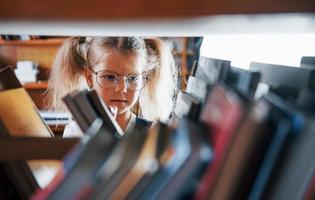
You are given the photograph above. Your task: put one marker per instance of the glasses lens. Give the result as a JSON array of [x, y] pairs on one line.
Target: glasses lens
[[108, 80], [136, 82]]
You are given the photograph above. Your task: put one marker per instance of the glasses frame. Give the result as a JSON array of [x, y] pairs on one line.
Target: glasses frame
[[145, 74]]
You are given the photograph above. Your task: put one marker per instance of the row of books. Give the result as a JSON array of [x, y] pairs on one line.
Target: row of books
[[231, 137], [222, 143], [262, 146]]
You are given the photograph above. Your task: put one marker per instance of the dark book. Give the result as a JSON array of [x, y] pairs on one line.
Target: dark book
[[287, 123], [83, 103], [94, 187], [8, 79], [81, 164], [104, 113], [176, 153], [186, 105], [212, 70], [307, 62], [280, 79], [20, 177], [161, 154], [298, 166], [184, 183], [243, 80], [87, 106], [76, 111], [243, 158], [109, 178], [146, 161]]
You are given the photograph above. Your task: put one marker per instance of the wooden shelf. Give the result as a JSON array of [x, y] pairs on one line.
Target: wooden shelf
[[41, 51], [111, 9], [36, 86], [37, 92], [35, 42]]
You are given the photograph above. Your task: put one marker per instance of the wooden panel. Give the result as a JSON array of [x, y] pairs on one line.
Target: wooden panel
[[36, 86], [126, 9], [41, 51], [43, 55], [8, 55]]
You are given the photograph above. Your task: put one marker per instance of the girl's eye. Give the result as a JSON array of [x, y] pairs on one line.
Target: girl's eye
[[109, 77], [133, 78]]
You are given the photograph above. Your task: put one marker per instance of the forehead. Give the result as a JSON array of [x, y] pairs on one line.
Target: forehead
[[121, 63]]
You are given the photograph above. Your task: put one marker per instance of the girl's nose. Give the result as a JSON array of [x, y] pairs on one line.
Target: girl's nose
[[121, 85]]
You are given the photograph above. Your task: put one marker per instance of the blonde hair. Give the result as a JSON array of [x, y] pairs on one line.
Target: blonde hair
[[77, 53]]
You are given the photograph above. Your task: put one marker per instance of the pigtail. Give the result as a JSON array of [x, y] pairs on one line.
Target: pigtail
[[67, 71], [157, 98]]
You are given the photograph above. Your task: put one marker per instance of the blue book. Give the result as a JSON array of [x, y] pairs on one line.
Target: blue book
[[181, 144], [287, 123]]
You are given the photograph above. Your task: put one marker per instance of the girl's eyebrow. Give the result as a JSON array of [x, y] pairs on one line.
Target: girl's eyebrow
[[110, 71], [113, 72]]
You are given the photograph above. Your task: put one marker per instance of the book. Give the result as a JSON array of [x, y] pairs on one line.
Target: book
[[163, 153], [212, 70], [84, 105], [120, 162], [223, 112], [81, 164], [307, 62], [243, 80], [287, 123], [18, 112], [185, 105], [243, 158], [87, 106], [298, 166], [75, 111], [176, 153], [20, 116], [104, 113], [184, 183], [279, 78], [146, 160], [197, 88]]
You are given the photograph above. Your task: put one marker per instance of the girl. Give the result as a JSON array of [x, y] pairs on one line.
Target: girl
[[136, 77]]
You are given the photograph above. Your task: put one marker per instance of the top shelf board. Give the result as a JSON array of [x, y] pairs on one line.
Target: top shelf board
[[142, 9], [193, 26]]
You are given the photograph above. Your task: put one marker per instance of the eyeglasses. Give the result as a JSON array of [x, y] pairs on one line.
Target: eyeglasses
[[107, 79]]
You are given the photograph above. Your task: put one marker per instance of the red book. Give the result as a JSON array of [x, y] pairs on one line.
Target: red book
[[223, 112], [310, 193]]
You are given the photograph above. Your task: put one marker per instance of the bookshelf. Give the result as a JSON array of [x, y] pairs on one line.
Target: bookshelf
[[103, 14], [41, 51]]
